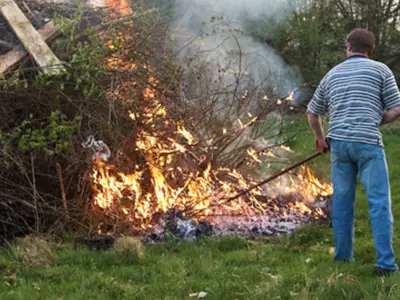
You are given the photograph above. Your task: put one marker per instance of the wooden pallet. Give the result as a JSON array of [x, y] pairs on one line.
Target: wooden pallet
[[33, 42]]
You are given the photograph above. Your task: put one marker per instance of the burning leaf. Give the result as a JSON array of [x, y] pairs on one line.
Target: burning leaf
[[148, 93], [161, 112], [186, 134], [269, 154], [132, 116], [251, 122], [286, 148], [253, 154]]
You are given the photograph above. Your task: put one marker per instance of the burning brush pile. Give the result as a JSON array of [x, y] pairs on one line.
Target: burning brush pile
[[171, 183], [146, 161]]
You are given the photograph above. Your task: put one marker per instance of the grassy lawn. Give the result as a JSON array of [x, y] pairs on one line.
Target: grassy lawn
[[293, 267]]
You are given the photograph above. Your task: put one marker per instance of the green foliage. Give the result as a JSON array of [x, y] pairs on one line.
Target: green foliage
[[50, 136], [85, 53], [49, 132]]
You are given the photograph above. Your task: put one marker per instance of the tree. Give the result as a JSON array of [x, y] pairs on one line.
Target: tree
[[312, 37]]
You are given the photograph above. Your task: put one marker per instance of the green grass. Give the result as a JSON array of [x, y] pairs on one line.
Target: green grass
[[292, 267]]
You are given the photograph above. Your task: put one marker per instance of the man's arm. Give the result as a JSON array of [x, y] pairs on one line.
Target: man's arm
[[315, 109], [315, 122], [391, 115], [391, 99]]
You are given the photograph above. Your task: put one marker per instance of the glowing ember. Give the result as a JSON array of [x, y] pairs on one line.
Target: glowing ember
[[286, 148], [290, 97]]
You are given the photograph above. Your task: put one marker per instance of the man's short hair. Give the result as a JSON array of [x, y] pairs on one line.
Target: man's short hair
[[361, 41]]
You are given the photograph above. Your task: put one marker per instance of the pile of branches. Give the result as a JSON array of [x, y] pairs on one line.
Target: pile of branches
[[112, 72], [44, 121]]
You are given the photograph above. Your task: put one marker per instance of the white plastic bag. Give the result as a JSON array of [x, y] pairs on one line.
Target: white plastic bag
[[99, 149]]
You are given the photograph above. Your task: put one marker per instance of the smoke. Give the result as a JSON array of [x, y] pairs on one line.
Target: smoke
[[208, 45], [194, 12]]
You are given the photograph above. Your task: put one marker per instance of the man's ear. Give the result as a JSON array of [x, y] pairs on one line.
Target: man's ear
[[371, 52]]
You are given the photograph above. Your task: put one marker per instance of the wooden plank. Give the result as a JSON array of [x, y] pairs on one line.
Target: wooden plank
[[9, 60], [97, 3], [30, 38]]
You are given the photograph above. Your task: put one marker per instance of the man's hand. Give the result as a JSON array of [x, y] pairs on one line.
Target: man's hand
[[391, 115], [321, 145], [316, 126]]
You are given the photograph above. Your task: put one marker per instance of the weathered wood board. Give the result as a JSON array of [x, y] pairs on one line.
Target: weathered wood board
[[30, 38], [9, 60]]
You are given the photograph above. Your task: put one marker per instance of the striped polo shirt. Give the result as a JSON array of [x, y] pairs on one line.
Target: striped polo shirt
[[355, 94]]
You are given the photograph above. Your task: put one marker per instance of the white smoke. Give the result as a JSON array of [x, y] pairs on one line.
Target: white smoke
[[259, 63], [239, 11]]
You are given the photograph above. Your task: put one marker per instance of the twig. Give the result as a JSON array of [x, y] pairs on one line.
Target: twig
[[29, 10], [5, 45], [35, 195], [63, 195]]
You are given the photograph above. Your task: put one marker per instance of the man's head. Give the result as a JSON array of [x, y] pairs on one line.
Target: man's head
[[360, 41]]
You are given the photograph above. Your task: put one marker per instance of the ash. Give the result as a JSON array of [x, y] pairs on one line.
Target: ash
[[256, 225], [175, 226], [275, 223]]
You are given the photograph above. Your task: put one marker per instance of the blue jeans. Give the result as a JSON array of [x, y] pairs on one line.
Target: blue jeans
[[349, 159]]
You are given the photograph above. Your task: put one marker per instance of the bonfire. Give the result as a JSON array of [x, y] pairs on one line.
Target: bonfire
[[170, 171], [163, 167]]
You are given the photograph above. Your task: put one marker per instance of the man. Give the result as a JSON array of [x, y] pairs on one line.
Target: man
[[359, 94]]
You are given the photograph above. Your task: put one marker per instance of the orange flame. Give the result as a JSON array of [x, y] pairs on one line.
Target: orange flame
[[120, 7], [311, 187]]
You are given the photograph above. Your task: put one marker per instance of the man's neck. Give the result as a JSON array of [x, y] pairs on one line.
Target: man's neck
[[351, 54]]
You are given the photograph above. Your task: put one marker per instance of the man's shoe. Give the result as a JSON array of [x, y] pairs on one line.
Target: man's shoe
[[381, 272]]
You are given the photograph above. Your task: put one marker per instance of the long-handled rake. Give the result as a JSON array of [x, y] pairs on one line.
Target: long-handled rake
[[276, 175]]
